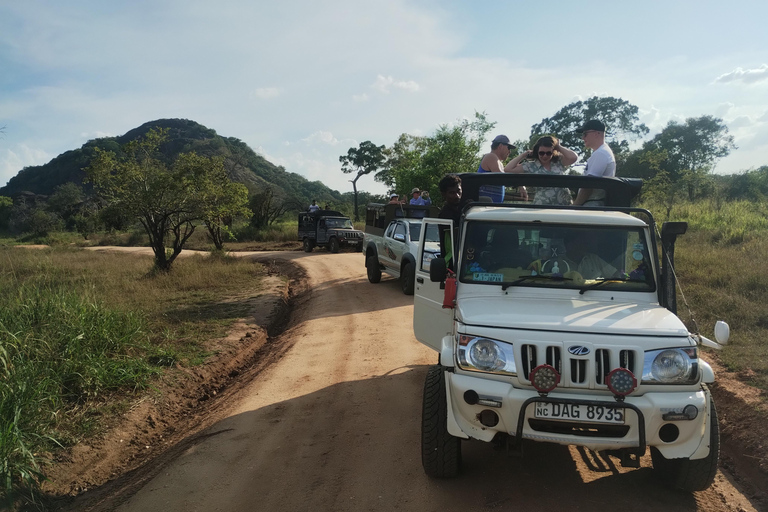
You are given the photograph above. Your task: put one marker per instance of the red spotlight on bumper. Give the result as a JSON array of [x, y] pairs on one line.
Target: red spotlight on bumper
[[621, 381], [544, 378]]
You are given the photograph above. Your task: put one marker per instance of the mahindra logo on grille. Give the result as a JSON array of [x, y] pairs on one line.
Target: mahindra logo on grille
[[578, 350]]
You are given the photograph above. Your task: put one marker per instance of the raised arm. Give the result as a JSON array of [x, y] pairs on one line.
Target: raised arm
[[515, 164], [567, 156]]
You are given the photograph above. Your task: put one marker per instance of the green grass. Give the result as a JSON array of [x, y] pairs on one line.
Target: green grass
[[79, 328]]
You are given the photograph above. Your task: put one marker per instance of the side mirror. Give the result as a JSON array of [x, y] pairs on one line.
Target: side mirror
[[722, 332], [399, 237], [437, 270]]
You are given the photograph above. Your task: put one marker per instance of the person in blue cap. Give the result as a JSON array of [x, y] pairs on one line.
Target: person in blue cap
[[494, 162]]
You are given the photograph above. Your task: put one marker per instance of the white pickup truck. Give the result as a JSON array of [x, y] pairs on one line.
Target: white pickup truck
[[559, 325], [392, 233]]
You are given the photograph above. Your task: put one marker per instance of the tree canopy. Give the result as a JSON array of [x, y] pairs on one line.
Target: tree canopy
[[422, 161], [168, 198], [360, 161], [620, 117]]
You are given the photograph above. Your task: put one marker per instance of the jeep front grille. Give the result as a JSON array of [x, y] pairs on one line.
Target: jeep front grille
[[587, 371]]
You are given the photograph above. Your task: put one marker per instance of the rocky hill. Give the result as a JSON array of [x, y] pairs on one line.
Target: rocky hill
[[243, 164]]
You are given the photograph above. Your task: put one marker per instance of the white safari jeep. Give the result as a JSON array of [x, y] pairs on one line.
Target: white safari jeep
[[558, 324]]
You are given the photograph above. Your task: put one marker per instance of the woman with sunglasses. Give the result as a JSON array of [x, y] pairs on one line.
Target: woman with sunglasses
[[546, 157]]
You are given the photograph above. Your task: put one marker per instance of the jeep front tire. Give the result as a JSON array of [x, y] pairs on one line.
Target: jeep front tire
[[691, 475], [440, 451]]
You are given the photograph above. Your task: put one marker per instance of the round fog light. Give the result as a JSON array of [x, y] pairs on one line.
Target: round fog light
[[691, 411], [544, 378], [621, 381]]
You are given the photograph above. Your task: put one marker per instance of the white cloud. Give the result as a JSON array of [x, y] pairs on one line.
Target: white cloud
[[763, 118], [740, 122], [12, 161], [322, 137], [384, 83], [360, 97], [748, 76], [723, 109], [265, 93]]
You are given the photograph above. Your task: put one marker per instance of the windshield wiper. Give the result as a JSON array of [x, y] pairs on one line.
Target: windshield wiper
[[504, 286], [602, 281]]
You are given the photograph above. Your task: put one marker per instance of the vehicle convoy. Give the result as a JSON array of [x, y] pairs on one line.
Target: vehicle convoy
[[558, 324], [329, 229], [392, 234]]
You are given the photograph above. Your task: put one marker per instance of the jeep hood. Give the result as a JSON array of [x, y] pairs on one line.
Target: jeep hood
[[627, 318]]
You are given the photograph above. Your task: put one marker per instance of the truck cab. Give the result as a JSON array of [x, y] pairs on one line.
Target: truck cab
[[392, 234], [558, 324]]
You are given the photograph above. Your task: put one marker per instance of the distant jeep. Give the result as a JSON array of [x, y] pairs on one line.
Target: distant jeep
[[329, 229]]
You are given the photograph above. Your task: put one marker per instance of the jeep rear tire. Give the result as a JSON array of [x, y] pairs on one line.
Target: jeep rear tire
[[408, 278], [308, 245], [333, 245], [691, 475], [373, 269], [440, 451]]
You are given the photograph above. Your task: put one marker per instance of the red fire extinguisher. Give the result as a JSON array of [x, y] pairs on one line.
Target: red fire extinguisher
[[449, 297]]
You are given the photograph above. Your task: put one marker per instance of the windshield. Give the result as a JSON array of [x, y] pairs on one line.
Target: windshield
[[338, 223], [563, 256], [432, 232]]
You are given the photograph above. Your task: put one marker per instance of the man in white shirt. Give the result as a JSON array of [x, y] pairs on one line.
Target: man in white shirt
[[601, 164]]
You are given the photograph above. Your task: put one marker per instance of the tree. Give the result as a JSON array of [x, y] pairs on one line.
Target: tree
[[223, 201], [453, 150], [167, 198], [364, 160], [66, 201], [422, 161], [403, 161], [619, 116], [266, 208], [692, 149], [6, 206]]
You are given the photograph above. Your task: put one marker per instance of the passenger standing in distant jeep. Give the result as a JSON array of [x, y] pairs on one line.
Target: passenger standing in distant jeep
[[602, 163], [450, 188]]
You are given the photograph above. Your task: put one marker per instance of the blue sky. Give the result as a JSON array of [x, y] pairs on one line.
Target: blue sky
[[301, 82]]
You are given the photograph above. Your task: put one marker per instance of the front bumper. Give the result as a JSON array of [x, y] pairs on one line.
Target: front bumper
[[644, 423]]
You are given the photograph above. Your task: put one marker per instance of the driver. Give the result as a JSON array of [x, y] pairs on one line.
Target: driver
[[578, 250]]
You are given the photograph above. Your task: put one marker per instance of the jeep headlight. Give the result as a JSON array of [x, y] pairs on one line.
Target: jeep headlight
[[671, 366], [486, 355]]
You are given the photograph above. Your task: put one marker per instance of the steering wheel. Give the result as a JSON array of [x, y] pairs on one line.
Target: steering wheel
[[562, 266]]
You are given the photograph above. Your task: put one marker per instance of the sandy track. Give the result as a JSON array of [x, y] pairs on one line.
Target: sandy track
[[335, 425]]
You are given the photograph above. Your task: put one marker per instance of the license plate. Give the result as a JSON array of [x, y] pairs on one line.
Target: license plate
[[579, 412]]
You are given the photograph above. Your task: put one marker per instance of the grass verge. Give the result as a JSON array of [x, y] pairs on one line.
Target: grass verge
[[77, 326]]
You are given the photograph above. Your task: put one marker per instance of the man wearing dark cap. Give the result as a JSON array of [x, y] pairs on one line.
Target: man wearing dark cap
[[494, 162], [602, 163]]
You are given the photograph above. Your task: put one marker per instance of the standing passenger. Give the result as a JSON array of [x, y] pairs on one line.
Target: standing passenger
[[602, 163], [494, 162]]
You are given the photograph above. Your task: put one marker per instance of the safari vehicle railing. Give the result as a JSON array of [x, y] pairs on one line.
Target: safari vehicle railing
[[618, 191]]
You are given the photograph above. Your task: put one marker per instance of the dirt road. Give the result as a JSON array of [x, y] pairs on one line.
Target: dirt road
[[335, 425]]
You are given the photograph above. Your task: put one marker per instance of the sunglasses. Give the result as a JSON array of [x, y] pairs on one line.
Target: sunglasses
[[584, 134], [545, 153]]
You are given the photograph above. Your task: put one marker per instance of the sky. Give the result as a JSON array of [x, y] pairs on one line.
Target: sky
[[302, 82]]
